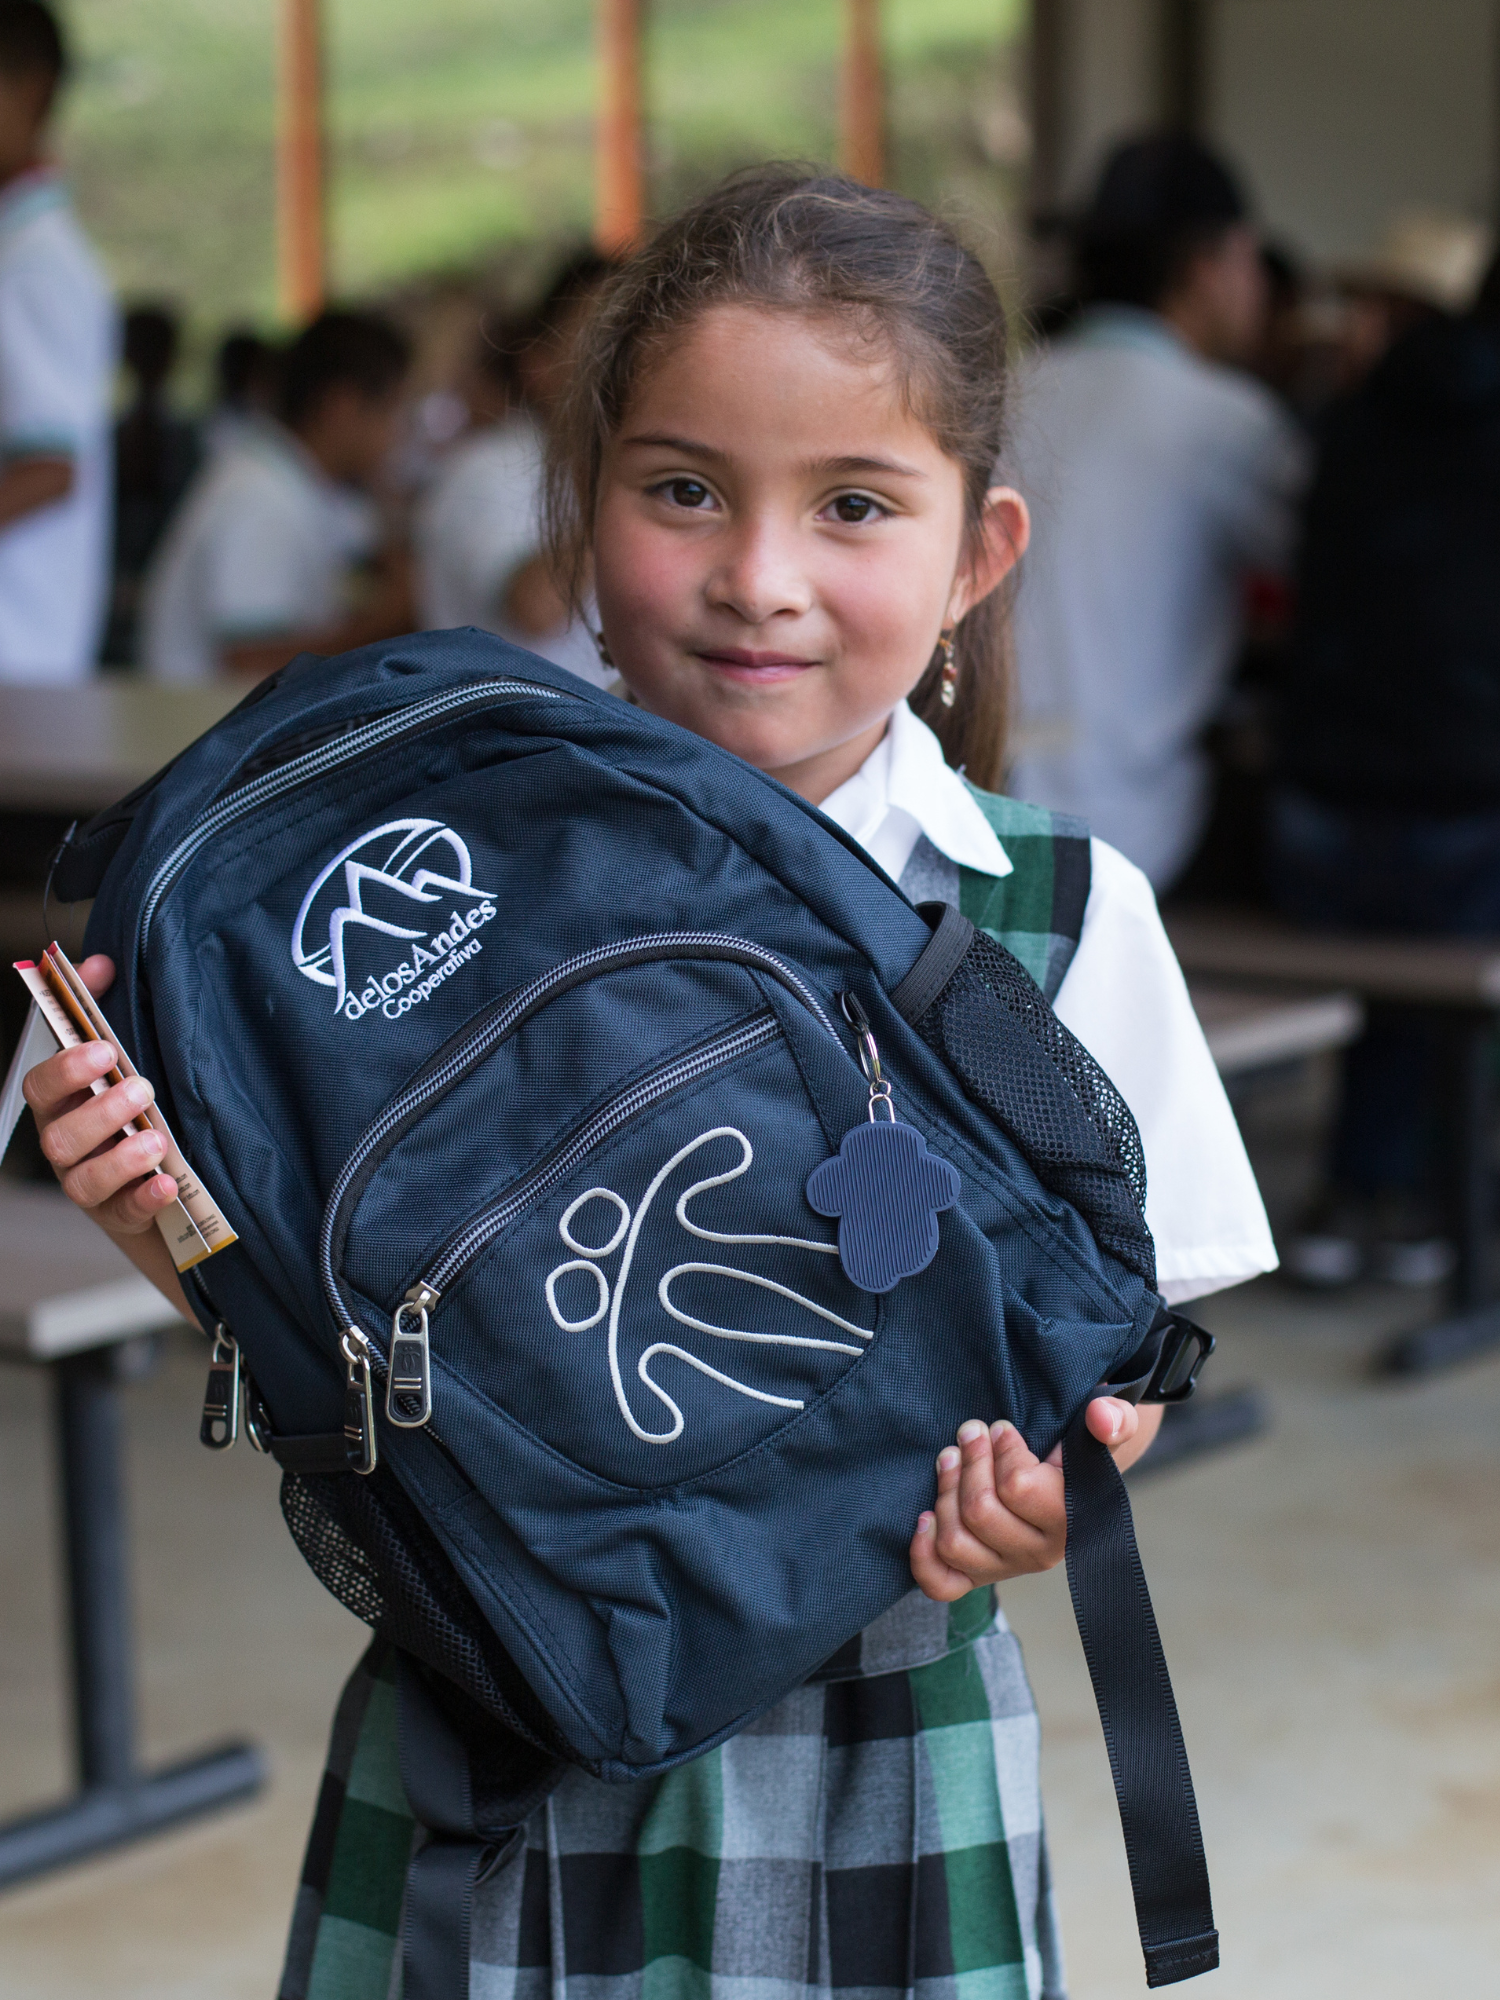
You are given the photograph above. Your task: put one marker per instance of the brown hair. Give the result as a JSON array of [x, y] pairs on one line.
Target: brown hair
[[798, 241]]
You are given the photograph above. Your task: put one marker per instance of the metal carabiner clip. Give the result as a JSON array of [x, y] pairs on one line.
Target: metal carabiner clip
[[869, 1056]]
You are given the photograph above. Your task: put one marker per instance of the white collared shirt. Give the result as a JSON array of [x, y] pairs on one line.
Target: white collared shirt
[[1155, 479], [477, 523], [263, 546], [58, 339], [1123, 996]]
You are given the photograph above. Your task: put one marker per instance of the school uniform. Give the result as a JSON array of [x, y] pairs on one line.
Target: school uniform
[[1156, 479], [58, 341], [263, 546], [477, 523], [880, 1829]]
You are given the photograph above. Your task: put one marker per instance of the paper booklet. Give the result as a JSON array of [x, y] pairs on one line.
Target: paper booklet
[[63, 1014]]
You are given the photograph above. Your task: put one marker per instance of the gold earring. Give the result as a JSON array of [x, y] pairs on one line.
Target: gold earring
[[602, 648], [949, 692]]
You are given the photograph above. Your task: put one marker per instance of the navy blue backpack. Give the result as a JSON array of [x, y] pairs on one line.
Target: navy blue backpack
[[626, 1175]]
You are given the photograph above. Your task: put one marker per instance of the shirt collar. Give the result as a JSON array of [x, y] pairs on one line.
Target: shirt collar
[[1130, 326], [30, 193], [904, 790]]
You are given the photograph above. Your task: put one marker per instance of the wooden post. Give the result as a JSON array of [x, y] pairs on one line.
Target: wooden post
[[862, 95], [1048, 78], [301, 247], [620, 203], [1182, 64]]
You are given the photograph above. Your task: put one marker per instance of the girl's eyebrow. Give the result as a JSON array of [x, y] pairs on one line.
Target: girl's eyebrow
[[851, 467], [834, 468], [664, 441]]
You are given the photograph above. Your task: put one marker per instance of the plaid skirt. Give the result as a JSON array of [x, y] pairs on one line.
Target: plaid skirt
[[879, 1835]]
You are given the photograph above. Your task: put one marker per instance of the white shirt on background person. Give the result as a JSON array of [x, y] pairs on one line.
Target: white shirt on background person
[[1156, 481], [1123, 996], [477, 523], [59, 342], [263, 545]]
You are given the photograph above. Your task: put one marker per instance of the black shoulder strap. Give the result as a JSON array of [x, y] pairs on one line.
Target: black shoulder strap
[[1147, 1757], [472, 1806]]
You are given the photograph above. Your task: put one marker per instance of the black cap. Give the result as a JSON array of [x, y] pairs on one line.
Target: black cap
[[1165, 183], [1157, 199]]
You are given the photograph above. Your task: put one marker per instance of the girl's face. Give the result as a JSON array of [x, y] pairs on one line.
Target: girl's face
[[779, 543]]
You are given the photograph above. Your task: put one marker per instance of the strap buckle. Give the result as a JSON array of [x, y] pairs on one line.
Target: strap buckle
[[1184, 1349]]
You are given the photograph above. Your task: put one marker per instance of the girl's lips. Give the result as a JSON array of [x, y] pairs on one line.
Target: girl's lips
[[755, 668]]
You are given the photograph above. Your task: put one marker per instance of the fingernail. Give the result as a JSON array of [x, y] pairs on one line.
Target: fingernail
[[948, 1459], [998, 1430], [137, 1091], [101, 1055], [152, 1145], [969, 1431], [926, 1523]]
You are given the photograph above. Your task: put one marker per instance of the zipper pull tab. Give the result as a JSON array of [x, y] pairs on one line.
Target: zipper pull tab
[[220, 1424], [359, 1402], [408, 1391]]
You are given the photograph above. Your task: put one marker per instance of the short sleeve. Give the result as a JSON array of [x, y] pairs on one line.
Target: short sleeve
[[1261, 471], [53, 372], [1125, 998], [261, 561]]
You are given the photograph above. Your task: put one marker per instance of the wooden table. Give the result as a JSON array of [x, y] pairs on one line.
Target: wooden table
[[69, 1301], [67, 752], [78, 749], [1456, 983], [1248, 1030]]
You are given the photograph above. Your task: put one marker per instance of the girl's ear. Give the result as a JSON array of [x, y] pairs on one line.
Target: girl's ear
[[1004, 531]]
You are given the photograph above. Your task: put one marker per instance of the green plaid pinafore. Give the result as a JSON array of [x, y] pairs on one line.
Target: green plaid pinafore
[[878, 1832]]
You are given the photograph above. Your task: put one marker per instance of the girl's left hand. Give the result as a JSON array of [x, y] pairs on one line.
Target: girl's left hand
[[1000, 1511]]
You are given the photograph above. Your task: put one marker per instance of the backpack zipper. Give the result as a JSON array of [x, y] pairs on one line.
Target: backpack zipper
[[408, 1402], [312, 764]]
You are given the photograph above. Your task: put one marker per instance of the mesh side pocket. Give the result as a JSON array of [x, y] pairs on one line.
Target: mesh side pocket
[[369, 1547], [993, 1028]]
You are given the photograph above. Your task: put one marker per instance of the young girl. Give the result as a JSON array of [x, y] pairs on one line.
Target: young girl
[[776, 468]]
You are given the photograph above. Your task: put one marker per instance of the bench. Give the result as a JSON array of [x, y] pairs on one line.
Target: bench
[[1456, 982], [69, 1303]]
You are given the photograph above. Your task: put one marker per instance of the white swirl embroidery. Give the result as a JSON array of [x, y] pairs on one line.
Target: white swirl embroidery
[[628, 1230]]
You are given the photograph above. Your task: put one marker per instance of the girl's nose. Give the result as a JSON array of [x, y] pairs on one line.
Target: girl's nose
[[758, 575]]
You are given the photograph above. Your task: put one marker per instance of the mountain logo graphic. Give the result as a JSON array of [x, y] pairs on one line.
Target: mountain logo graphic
[[421, 862]]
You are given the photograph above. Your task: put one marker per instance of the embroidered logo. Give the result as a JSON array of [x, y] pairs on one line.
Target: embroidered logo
[[406, 862], [623, 1237]]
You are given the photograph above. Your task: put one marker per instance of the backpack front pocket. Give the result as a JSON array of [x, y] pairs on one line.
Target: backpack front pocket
[[640, 1285]]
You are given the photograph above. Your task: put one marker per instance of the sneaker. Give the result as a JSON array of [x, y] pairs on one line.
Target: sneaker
[[1323, 1261], [1408, 1246], [1429, 1260], [1331, 1248]]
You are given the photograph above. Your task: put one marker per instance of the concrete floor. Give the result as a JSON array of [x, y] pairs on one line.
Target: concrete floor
[[1329, 1597]]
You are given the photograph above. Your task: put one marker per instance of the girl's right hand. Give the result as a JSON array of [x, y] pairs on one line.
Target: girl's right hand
[[105, 1169]]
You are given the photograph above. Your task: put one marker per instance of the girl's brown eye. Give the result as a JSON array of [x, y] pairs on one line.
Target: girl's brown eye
[[853, 508], [688, 492]]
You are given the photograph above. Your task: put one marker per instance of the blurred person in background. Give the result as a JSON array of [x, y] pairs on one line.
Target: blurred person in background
[[1427, 264], [1160, 475], [1387, 814], [58, 338], [244, 389], [156, 454], [478, 529], [263, 558]]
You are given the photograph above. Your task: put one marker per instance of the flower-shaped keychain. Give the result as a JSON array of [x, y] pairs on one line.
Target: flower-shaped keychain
[[884, 1186]]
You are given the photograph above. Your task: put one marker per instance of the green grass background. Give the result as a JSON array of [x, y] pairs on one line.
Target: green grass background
[[461, 130]]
